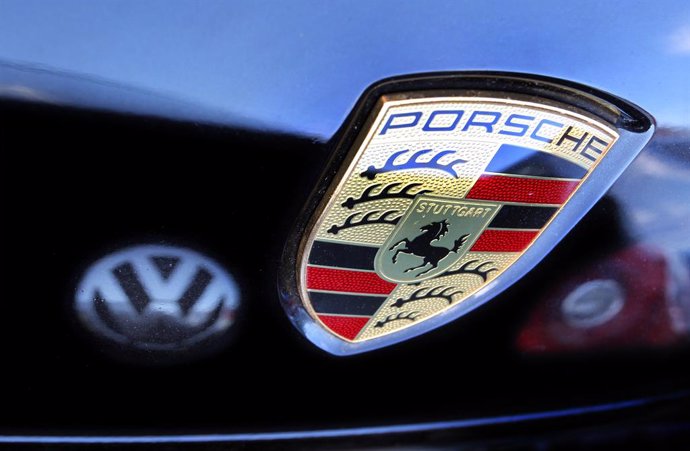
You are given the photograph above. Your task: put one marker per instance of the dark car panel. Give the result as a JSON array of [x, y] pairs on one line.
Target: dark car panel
[[117, 122]]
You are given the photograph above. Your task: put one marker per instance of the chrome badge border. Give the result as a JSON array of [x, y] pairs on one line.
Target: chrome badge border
[[634, 125]]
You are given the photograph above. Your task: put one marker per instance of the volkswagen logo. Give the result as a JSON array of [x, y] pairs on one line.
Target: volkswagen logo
[[157, 298]]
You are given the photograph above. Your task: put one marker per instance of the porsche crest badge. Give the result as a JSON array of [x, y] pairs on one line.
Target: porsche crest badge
[[441, 201]]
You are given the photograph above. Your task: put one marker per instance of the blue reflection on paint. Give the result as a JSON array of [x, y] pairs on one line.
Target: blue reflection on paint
[[299, 66], [345, 432]]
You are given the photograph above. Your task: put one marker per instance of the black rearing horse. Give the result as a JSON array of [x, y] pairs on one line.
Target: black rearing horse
[[420, 246]]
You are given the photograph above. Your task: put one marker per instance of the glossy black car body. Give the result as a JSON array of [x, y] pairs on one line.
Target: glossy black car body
[[173, 87]]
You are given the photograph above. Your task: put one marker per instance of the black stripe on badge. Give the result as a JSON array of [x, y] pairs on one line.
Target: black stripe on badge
[[518, 160], [337, 255], [345, 304], [522, 217]]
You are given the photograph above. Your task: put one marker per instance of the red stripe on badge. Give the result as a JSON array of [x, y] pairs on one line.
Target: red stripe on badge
[[504, 240], [345, 326], [519, 189], [347, 281]]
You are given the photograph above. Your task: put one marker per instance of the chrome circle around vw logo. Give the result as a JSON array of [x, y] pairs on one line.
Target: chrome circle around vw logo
[[157, 298]]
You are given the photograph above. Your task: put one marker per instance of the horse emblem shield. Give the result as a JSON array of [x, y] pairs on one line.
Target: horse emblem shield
[[434, 233], [438, 200]]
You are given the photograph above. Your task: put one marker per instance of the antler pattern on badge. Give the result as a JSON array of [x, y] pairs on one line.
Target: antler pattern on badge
[[373, 217], [414, 163], [478, 270], [385, 193], [402, 316], [441, 292]]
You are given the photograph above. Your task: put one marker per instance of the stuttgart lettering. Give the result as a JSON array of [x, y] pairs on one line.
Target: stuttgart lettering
[[461, 211]]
